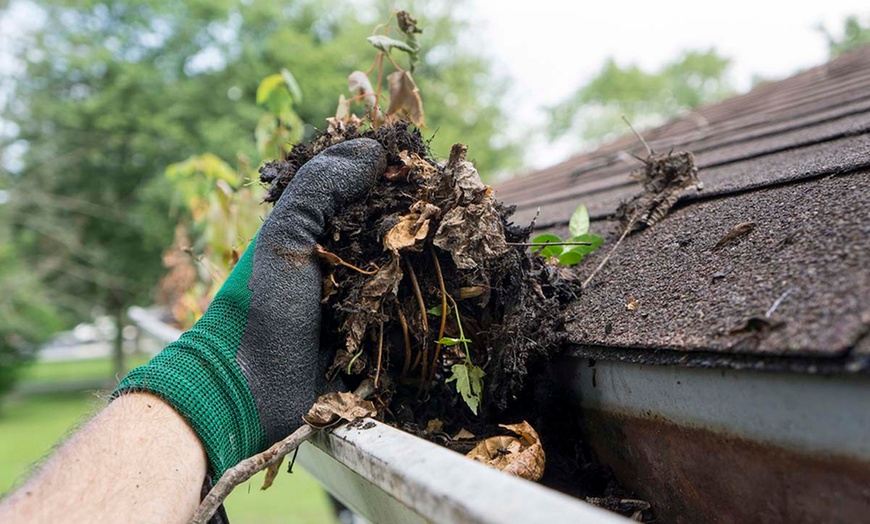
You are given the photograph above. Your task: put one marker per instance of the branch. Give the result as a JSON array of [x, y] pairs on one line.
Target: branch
[[249, 467], [246, 469]]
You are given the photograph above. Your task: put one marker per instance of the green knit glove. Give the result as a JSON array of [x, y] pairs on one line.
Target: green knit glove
[[251, 366]]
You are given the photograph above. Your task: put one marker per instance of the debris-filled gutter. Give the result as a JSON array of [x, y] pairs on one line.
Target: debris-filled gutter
[[700, 444], [389, 476], [721, 445]]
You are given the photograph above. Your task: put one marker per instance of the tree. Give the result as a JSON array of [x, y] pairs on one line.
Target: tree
[[26, 313], [114, 92], [855, 34], [594, 112]]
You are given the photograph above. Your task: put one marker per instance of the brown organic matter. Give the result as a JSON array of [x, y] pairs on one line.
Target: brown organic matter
[[430, 253], [419, 213]]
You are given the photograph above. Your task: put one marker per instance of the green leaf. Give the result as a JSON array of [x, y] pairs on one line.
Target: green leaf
[[549, 251], [595, 242], [267, 86], [292, 85], [570, 258], [436, 311], [469, 383], [579, 223], [450, 341], [385, 43]]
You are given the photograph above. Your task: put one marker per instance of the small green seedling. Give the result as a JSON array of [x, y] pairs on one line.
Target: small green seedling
[[468, 377], [570, 251]]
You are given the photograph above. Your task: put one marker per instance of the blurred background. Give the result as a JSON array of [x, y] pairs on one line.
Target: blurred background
[[131, 133]]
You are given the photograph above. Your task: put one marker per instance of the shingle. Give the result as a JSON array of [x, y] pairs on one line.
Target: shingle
[[791, 157]]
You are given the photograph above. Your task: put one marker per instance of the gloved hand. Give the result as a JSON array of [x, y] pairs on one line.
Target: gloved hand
[[251, 366]]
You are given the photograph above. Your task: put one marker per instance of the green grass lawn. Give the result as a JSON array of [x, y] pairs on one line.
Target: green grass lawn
[[30, 425], [96, 368]]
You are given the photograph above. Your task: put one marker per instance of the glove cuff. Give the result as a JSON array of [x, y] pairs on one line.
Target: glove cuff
[[199, 376]]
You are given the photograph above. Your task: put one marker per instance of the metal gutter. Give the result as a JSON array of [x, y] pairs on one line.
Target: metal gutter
[[722, 445], [389, 476]]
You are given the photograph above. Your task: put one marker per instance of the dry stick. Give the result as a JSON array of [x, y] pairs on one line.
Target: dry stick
[[380, 351], [423, 318], [610, 253], [404, 322], [443, 314], [246, 469], [250, 466]]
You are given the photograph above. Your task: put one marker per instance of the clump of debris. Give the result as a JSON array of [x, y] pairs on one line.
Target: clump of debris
[[432, 293], [427, 274]]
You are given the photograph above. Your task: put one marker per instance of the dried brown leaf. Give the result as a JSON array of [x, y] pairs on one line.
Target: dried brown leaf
[[468, 186], [464, 434], [405, 101], [271, 473], [473, 235], [332, 407], [434, 426], [521, 456], [417, 165], [408, 233]]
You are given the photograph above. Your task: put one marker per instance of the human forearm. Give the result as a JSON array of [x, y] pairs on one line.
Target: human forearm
[[136, 461]]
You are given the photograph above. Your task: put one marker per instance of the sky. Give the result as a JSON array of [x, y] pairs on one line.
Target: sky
[[546, 49]]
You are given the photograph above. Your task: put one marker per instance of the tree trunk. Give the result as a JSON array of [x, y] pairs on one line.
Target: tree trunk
[[118, 357]]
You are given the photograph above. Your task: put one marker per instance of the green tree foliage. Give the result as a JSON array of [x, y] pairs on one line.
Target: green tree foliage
[[27, 315], [111, 93], [646, 98], [854, 34]]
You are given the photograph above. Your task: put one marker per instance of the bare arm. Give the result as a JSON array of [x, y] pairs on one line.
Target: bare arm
[[136, 461]]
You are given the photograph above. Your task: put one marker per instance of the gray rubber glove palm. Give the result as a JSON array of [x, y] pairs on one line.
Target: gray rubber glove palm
[[251, 366]]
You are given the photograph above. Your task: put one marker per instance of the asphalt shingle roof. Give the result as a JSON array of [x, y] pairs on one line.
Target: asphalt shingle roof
[[791, 157]]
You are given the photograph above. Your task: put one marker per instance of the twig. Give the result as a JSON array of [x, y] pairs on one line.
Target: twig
[[610, 253], [443, 314], [250, 466], [423, 318], [246, 469], [776, 303], [380, 352], [404, 322], [649, 150]]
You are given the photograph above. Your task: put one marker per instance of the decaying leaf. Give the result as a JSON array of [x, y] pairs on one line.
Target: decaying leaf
[[417, 166], [405, 101], [521, 456], [663, 177], [330, 287], [332, 407], [271, 473], [408, 233], [464, 434], [434, 426], [381, 286], [468, 186], [473, 235], [359, 84]]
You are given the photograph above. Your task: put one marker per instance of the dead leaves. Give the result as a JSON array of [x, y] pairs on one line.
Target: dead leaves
[[334, 407], [405, 101], [412, 229], [663, 177], [521, 456], [471, 232]]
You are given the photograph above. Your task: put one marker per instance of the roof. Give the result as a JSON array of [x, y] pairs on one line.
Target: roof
[[792, 158]]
